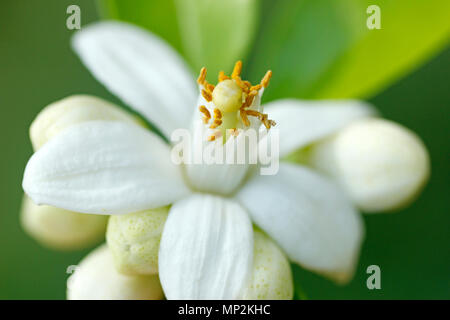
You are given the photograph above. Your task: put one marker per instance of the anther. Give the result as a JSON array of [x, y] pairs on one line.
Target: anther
[[267, 122], [206, 114], [216, 123], [240, 83], [201, 78], [265, 80], [209, 87], [205, 111], [216, 134], [237, 69], [223, 76], [207, 95], [217, 114]]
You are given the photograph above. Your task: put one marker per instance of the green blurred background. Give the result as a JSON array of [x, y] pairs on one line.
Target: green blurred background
[[37, 67]]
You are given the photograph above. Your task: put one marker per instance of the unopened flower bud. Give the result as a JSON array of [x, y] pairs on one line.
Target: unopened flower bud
[[73, 110], [271, 276], [96, 278], [61, 229], [382, 165], [134, 240]]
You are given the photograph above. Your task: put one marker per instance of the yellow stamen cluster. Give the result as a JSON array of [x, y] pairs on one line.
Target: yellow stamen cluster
[[232, 94]]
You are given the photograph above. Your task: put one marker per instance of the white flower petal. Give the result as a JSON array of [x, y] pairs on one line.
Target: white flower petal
[[308, 217], [303, 122], [141, 69], [95, 278], [104, 167], [206, 249], [210, 174], [382, 165]]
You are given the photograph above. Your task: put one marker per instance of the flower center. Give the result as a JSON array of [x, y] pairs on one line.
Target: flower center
[[232, 99], [227, 96]]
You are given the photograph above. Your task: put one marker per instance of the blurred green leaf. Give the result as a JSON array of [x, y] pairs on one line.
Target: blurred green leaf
[[215, 33], [323, 49], [155, 15], [208, 33], [299, 293]]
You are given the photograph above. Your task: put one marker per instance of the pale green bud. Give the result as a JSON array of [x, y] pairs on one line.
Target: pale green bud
[[70, 111], [382, 165], [271, 277], [61, 229], [134, 240], [96, 278]]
